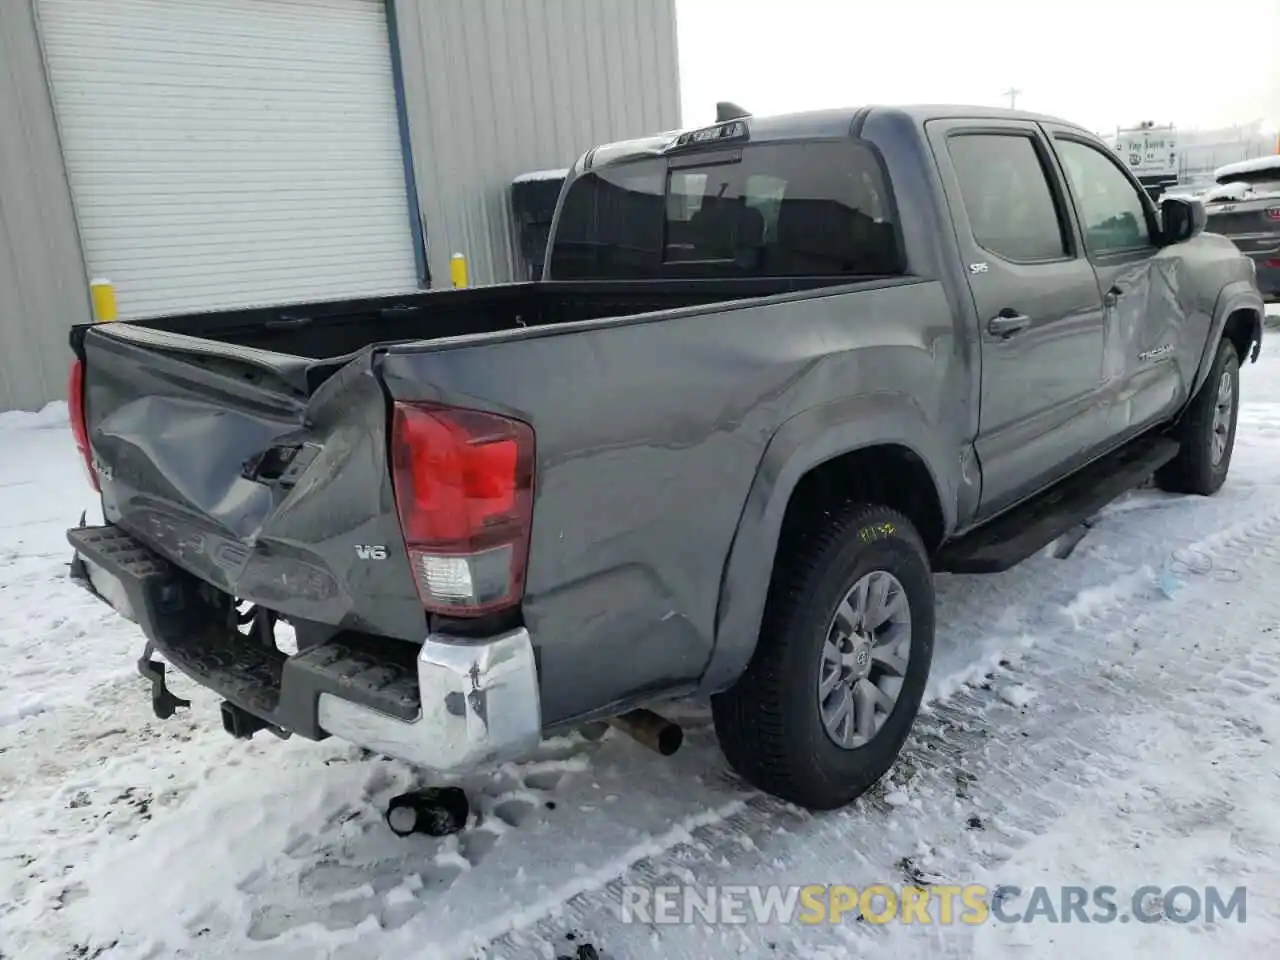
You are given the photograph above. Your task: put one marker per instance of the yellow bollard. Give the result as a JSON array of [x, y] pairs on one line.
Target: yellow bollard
[[102, 293], [458, 270]]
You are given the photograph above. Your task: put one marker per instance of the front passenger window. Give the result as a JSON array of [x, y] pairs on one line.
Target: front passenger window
[[1112, 213]]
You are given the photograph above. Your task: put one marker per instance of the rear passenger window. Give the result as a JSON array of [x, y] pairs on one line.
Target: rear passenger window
[[764, 210], [1007, 197]]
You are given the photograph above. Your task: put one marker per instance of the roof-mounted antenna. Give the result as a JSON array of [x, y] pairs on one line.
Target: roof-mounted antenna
[[727, 110]]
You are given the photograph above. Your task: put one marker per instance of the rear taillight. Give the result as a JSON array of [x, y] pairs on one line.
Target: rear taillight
[[79, 427], [464, 493], [1273, 213], [1273, 264]]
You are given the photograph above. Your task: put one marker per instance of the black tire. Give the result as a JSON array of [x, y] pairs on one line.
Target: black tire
[[768, 723], [1193, 470]]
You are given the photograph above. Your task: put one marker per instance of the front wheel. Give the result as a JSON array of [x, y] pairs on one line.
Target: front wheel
[[841, 663], [1207, 433]]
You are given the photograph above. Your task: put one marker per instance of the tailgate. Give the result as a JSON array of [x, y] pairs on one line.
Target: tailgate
[[264, 475]]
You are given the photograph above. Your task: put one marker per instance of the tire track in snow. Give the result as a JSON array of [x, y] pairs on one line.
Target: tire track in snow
[[965, 760], [971, 756], [968, 756]]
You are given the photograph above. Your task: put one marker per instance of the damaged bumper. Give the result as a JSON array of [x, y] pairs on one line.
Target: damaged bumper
[[479, 704], [449, 706]]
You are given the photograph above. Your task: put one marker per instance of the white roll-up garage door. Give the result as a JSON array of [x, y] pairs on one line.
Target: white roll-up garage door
[[231, 152]]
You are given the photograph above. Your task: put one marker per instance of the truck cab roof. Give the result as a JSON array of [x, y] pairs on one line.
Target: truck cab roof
[[813, 125]]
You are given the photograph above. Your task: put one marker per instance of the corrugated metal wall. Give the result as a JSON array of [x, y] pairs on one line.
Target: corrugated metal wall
[[227, 153], [495, 88], [42, 281]]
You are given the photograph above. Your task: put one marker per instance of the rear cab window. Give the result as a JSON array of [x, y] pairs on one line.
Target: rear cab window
[[794, 209]]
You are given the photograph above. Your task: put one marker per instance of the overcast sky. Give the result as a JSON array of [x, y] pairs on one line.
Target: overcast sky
[[1100, 63]]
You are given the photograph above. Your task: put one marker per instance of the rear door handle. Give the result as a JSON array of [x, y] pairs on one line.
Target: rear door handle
[[1006, 323], [1112, 296]]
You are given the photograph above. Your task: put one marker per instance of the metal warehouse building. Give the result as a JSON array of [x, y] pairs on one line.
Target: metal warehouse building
[[216, 153]]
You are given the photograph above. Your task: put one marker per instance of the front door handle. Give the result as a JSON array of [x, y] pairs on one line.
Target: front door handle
[[1112, 296], [1006, 323]]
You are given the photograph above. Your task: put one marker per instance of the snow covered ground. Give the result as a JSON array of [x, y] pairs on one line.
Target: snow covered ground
[[1107, 719]]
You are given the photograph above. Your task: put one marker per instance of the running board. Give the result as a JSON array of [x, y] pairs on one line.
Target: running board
[[1012, 537]]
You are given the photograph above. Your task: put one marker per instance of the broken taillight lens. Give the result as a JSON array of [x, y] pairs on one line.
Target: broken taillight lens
[[79, 426], [463, 483]]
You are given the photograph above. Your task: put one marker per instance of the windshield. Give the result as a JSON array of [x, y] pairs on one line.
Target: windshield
[[767, 210]]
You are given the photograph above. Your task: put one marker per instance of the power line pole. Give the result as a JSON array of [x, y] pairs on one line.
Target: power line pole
[[1012, 94]]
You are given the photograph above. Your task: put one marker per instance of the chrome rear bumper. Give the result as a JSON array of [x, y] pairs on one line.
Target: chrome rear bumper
[[480, 704], [458, 704]]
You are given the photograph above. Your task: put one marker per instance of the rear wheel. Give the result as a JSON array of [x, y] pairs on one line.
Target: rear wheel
[[1207, 433], [841, 663]]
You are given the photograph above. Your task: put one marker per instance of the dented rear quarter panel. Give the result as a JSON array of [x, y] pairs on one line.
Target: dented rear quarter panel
[[650, 436]]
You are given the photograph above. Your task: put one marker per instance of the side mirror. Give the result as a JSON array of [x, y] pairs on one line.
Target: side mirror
[[1181, 218]]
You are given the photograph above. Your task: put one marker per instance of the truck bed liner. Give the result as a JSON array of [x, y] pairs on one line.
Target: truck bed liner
[[330, 329]]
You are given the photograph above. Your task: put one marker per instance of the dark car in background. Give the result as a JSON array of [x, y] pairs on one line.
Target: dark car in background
[[1245, 206]]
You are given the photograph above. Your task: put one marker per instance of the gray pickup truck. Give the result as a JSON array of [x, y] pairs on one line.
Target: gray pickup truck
[[778, 371]]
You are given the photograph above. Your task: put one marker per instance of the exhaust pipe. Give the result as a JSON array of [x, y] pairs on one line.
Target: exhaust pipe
[[647, 728]]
